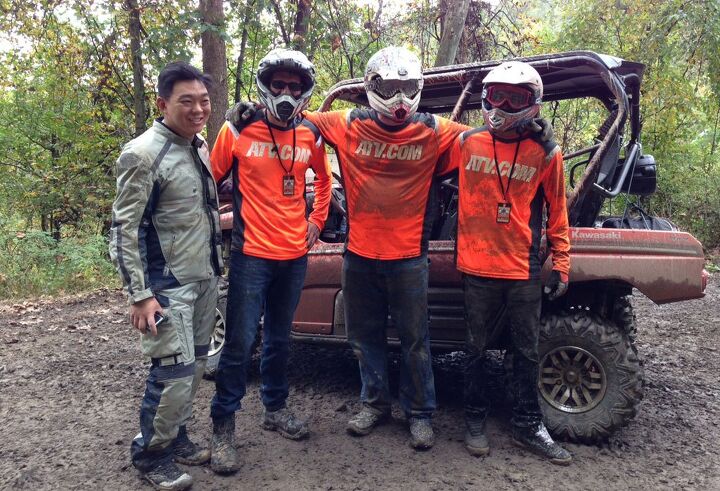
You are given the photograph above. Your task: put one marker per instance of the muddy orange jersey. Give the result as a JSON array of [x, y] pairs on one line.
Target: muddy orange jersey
[[510, 250], [387, 172], [269, 199]]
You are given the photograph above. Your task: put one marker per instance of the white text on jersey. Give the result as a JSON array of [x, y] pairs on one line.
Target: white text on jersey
[[478, 163], [381, 150], [258, 149]]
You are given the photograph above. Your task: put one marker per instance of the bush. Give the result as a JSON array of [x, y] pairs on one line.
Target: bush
[[33, 263]]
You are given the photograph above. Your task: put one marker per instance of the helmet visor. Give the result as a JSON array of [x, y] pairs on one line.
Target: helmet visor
[[293, 87], [388, 88], [510, 96]]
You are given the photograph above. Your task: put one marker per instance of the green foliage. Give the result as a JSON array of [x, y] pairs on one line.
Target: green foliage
[[678, 42], [34, 263], [66, 104]]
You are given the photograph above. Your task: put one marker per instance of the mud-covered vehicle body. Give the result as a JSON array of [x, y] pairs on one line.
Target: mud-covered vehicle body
[[590, 378]]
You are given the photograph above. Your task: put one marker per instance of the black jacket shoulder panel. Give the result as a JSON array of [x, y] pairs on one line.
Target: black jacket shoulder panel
[[311, 127], [468, 133]]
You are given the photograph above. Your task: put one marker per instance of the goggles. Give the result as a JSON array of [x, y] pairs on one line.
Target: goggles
[[281, 84], [511, 95], [388, 88]]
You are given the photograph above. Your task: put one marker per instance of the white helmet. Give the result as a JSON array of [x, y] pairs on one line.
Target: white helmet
[[393, 82], [520, 106], [284, 106]]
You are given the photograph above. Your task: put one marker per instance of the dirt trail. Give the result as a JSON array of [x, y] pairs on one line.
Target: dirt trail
[[71, 378]]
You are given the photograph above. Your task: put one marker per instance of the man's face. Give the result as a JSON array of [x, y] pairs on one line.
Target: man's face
[[187, 109], [286, 83]]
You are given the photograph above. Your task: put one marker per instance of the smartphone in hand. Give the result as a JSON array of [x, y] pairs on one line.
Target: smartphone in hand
[[159, 319]]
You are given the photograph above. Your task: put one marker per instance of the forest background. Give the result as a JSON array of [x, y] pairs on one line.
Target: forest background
[[77, 80]]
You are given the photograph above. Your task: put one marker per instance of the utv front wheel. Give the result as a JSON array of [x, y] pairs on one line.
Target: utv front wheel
[[590, 378]]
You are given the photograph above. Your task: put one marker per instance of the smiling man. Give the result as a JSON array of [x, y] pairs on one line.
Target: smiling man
[[165, 243]]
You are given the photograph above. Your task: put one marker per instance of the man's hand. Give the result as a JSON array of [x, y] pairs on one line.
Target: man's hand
[[142, 315], [313, 232], [557, 285], [542, 128], [241, 112]]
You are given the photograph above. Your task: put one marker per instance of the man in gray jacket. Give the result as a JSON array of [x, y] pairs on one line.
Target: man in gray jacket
[[165, 243]]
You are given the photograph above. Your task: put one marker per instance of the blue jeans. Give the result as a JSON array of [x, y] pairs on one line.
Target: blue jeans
[[257, 284], [372, 288]]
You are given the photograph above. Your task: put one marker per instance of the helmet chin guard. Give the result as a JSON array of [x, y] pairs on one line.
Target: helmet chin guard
[[284, 106], [509, 116], [499, 121], [393, 83]]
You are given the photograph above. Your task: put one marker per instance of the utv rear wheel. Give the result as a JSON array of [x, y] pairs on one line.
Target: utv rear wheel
[[624, 316], [590, 378]]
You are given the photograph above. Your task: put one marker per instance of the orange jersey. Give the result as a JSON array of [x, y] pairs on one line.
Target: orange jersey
[[508, 250], [387, 173], [267, 222]]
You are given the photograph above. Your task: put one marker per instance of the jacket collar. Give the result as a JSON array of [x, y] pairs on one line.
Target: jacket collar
[[160, 127]]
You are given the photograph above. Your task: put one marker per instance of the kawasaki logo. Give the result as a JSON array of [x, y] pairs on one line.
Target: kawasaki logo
[[581, 234]]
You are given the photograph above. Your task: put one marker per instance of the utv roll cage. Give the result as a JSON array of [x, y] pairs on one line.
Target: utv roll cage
[[570, 75]]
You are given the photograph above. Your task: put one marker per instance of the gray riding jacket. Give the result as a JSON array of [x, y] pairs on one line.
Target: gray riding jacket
[[165, 224]]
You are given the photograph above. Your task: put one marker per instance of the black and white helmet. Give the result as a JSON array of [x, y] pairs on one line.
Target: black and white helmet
[[284, 106], [393, 82]]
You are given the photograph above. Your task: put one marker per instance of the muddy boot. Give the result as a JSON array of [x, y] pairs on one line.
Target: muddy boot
[[538, 440], [284, 422], [188, 453], [422, 436], [475, 440], [167, 476], [365, 421], [224, 455]]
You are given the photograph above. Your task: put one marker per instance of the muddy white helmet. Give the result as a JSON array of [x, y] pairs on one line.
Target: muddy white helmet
[[511, 96], [284, 106], [393, 82]]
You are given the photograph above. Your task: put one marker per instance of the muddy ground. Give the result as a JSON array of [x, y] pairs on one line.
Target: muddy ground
[[71, 378]]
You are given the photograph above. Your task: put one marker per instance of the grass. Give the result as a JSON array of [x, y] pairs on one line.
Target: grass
[[33, 263]]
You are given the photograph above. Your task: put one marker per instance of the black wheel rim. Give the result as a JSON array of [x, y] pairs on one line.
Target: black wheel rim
[[571, 379], [217, 340]]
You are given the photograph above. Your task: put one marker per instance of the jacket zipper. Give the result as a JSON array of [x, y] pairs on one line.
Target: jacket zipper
[[166, 270], [199, 165]]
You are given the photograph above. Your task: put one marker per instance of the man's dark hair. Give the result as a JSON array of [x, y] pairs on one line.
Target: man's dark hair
[[179, 71]]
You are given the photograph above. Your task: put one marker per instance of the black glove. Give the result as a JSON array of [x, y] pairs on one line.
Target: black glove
[[557, 285], [542, 128], [241, 112]]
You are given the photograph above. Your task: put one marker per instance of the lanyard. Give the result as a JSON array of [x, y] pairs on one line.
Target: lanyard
[[277, 150], [505, 189]]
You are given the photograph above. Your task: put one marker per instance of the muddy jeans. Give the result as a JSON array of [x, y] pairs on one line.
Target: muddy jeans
[[257, 284], [178, 354], [372, 288], [489, 303]]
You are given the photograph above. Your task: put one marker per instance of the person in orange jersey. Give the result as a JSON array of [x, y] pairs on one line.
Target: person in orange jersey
[[511, 188], [267, 157]]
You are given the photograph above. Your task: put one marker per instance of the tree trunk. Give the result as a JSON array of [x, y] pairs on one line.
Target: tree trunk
[[138, 79], [280, 21], [249, 11], [215, 64], [454, 22], [302, 17]]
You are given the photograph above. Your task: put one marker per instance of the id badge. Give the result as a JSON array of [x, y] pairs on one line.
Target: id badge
[[288, 185], [503, 213]]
